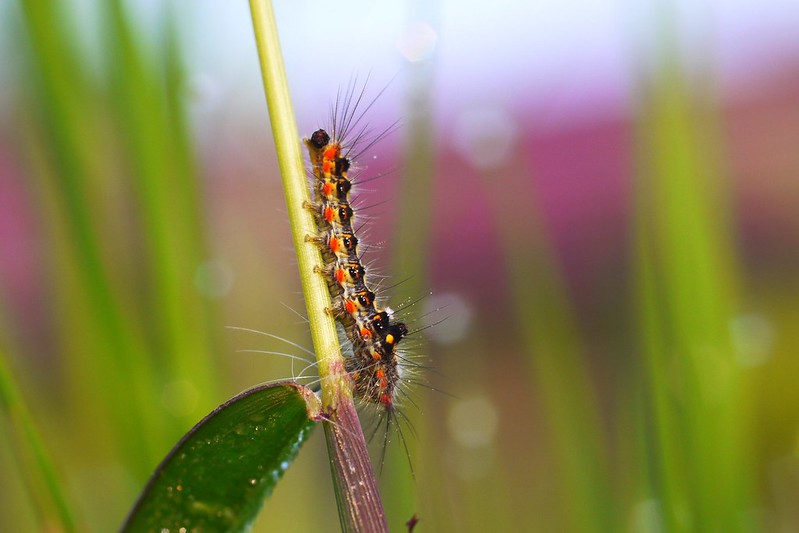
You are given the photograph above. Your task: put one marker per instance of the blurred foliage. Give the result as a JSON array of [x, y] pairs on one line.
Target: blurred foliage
[[674, 421]]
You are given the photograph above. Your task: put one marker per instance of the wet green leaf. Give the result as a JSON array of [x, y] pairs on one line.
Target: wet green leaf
[[218, 475]]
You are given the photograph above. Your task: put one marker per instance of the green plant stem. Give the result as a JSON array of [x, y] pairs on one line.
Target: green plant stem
[[359, 502], [287, 146]]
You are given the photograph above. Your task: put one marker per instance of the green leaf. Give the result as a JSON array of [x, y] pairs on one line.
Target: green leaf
[[217, 476]]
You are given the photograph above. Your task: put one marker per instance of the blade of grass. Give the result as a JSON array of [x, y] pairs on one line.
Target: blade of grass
[[45, 487], [188, 178], [157, 149], [553, 345], [116, 367], [359, 503], [686, 294], [666, 473], [410, 262], [543, 316]]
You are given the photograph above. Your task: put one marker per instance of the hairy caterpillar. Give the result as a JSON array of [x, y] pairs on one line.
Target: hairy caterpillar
[[378, 369]]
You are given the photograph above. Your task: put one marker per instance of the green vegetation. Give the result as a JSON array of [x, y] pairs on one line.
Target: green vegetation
[[122, 349]]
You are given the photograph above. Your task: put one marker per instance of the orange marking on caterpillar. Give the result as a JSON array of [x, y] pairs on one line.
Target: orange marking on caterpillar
[[332, 152]]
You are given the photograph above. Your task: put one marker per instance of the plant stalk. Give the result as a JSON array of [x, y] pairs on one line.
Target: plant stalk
[[358, 499]]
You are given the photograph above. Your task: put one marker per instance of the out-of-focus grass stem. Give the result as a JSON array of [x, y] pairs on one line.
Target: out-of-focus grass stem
[[158, 151], [547, 326], [46, 489], [65, 104], [686, 300]]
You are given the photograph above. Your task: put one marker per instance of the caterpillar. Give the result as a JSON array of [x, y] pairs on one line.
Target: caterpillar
[[376, 368]]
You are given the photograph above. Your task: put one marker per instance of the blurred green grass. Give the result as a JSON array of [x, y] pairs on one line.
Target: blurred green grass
[[134, 357], [686, 285]]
